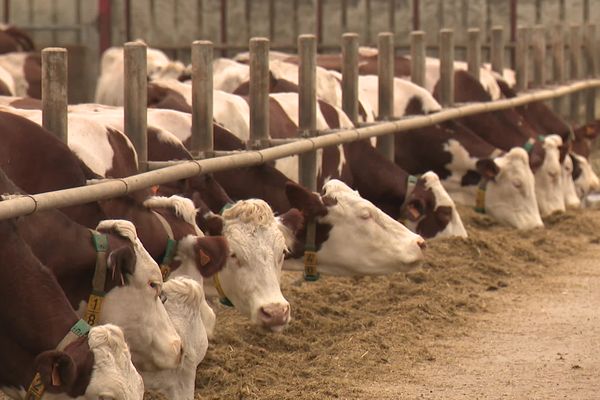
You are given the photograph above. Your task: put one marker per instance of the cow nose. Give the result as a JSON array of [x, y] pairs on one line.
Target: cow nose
[[274, 315], [421, 243]]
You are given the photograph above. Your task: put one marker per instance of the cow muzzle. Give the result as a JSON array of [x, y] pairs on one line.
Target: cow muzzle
[[274, 316]]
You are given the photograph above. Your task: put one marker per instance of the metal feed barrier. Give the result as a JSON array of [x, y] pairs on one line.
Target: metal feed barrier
[[266, 149]]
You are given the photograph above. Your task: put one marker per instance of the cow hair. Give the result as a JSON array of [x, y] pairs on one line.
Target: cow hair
[[252, 211], [553, 140], [183, 207], [108, 339], [120, 227], [432, 181], [184, 291]]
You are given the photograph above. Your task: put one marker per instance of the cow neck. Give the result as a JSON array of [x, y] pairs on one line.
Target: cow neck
[[170, 250], [78, 330], [223, 299]]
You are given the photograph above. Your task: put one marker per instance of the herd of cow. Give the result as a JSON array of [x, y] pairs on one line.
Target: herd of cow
[[138, 268]]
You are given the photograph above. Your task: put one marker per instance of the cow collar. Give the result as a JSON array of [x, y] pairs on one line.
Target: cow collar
[[170, 251], [223, 299], [411, 182], [36, 387], [94, 305], [480, 196]]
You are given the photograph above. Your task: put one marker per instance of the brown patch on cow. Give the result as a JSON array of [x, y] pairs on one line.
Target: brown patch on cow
[[577, 170], [330, 114], [26, 103], [292, 219], [166, 98], [280, 124], [421, 206], [13, 39], [211, 254], [435, 222], [276, 85], [32, 70], [537, 155], [304, 200], [470, 178], [487, 168], [414, 106], [123, 165]]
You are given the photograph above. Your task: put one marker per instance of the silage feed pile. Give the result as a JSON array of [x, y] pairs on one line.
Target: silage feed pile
[[345, 330]]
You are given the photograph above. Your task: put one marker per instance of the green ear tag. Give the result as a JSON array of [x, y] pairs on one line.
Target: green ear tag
[[81, 328], [528, 146], [100, 241], [169, 252]]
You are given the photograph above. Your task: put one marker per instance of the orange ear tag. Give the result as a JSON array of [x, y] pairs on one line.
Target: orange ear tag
[[204, 258], [155, 189]]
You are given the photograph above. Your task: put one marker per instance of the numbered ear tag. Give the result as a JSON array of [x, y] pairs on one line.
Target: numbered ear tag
[[94, 307], [36, 389], [310, 266], [165, 271], [480, 201]]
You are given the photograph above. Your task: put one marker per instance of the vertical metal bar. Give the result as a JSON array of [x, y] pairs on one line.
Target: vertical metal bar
[[522, 58], [385, 70], [558, 65], [128, 20], [272, 19], [54, 91], [296, 16], [344, 21], [202, 98], [417, 58], [368, 21], [474, 52], [586, 10], [513, 31], [136, 94], [392, 16], [575, 67], [104, 24], [6, 11], [562, 10], [307, 107], [497, 50], [224, 38], [320, 21], [259, 91], [350, 76], [538, 41], [416, 17], [591, 71], [446, 67]]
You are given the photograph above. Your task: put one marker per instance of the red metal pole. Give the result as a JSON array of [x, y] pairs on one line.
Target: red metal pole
[[104, 24]]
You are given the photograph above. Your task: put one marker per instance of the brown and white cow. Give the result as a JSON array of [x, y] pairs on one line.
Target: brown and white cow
[[109, 153], [24, 74], [36, 316], [109, 89]]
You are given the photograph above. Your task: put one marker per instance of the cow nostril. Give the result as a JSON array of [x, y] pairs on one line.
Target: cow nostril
[[264, 313]]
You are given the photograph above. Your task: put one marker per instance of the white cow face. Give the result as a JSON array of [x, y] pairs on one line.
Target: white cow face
[[548, 178], [113, 375], [430, 211], [159, 66], [361, 239], [586, 180], [185, 304], [250, 278], [510, 193], [570, 193], [137, 308]]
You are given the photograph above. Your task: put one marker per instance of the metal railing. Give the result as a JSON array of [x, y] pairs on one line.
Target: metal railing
[[308, 141]]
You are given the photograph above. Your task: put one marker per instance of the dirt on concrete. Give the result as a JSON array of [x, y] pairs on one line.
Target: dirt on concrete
[[385, 337]]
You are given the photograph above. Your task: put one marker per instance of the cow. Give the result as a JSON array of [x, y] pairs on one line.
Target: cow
[[250, 289], [21, 74], [37, 317], [14, 39], [185, 307], [506, 129], [585, 179], [283, 124], [109, 89]]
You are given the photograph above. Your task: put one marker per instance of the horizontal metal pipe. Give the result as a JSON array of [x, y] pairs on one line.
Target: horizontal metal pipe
[[118, 187]]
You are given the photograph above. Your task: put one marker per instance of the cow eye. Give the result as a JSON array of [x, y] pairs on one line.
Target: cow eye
[[517, 184], [233, 255]]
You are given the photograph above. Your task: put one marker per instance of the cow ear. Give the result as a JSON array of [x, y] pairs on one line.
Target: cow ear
[[304, 200], [57, 370], [292, 219], [487, 168], [210, 223], [121, 263], [211, 254]]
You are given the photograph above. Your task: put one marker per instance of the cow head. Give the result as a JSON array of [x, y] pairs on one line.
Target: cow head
[[510, 190], [353, 236], [136, 307], [429, 210], [584, 137], [250, 278], [113, 376], [185, 306], [570, 193], [548, 178], [584, 177]]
